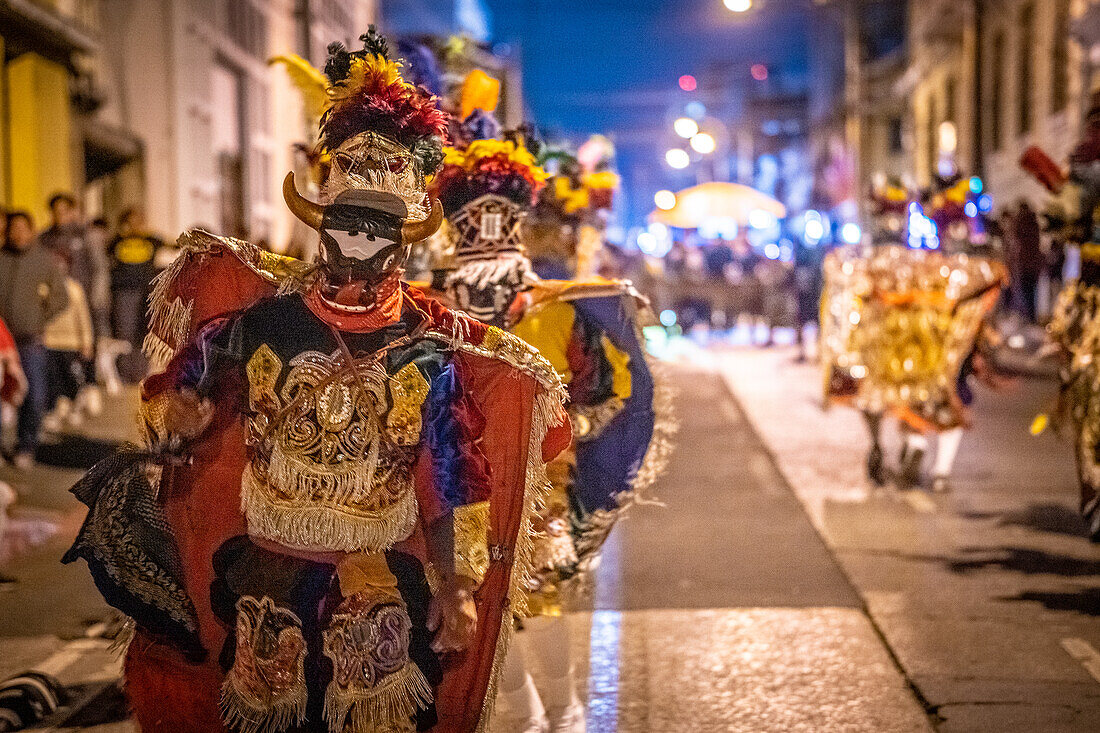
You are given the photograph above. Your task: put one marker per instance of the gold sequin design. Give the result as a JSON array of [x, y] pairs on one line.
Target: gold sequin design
[[471, 540], [323, 474], [263, 371], [408, 390]]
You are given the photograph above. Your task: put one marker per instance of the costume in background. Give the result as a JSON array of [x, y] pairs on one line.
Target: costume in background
[[336, 466], [900, 326], [590, 332], [1075, 322]]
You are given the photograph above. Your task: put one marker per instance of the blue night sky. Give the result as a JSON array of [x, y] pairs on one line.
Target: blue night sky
[[611, 66]]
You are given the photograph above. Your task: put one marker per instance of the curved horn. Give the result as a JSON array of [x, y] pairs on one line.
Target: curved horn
[[309, 212], [416, 231]]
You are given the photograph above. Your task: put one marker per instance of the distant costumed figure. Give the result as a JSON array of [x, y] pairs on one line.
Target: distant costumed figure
[[1074, 326], [589, 330], [330, 526], [903, 330], [564, 231]]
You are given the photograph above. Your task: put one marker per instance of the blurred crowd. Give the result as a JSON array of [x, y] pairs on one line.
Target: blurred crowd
[[72, 302], [720, 284]]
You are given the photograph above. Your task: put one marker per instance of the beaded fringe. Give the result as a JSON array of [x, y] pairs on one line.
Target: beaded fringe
[[384, 708], [536, 490], [169, 318], [250, 716], [325, 525]]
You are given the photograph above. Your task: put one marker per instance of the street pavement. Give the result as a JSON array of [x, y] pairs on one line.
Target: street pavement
[[989, 596], [770, 591]]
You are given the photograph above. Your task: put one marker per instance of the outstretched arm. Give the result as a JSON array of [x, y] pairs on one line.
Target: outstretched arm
[[176, 408]]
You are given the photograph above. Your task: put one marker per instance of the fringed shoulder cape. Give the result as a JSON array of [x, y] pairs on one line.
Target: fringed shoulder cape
[[152, 532]]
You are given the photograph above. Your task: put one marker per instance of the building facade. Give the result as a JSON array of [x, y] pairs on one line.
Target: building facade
[[986, 80], [43, 98], [218, 124], [165, 104]]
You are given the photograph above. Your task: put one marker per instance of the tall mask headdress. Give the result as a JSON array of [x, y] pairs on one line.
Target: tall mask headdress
[[486, 190], [384, 138]]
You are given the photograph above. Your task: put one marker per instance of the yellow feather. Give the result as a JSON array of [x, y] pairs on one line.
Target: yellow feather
[[312, 84]]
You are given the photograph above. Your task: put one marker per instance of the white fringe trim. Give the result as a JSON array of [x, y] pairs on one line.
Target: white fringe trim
[[513, 269], [313, 525], [536, 490]]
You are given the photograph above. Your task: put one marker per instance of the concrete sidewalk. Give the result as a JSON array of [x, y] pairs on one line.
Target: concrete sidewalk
[[990, 596]]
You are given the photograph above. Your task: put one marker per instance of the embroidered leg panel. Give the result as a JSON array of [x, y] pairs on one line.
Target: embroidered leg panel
[[376, 687], [265, 690]]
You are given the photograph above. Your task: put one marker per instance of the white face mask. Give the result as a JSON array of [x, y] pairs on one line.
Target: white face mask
[[358, 246]]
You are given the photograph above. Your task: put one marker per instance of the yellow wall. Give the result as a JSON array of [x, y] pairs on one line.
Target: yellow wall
[[39, 133], [3, 132]]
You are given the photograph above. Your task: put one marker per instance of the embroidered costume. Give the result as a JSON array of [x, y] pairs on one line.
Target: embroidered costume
[[900, 332], [1074, 326], [330, 525], [590, 332]]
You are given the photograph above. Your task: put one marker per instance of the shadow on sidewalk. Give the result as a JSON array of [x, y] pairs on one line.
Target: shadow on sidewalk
[[1046, 517], [1083, 600], [75, 451]]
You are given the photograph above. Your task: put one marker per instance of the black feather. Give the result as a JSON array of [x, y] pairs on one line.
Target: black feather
[[338, 65], [375, 43]]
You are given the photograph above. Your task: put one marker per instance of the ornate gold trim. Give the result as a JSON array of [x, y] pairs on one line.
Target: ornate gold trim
[[471, 540]]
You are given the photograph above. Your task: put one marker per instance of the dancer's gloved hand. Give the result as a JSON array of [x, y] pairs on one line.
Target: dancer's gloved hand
[[453, 615], [174, 421], [187, 415]]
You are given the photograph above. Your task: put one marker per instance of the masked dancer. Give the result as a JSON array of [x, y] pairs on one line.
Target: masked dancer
[[329, 526], [590, 332]]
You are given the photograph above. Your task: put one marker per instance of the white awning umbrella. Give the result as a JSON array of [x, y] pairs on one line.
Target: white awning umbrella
[[717, 202]]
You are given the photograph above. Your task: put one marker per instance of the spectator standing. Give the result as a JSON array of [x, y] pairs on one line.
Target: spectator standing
[[133, 252], [69, 340], [70, 239], [807, 281], [32, 291], [83, 251], [1027, 261], [98, 289]]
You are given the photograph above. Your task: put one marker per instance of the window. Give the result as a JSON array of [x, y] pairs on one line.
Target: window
[[996, 92], [897, 141], [227, 97], [1024, 77], [1059, 70], [951, 90], [932, 136], [246, 25]]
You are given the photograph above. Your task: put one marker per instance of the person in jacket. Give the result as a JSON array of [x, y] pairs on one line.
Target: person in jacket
[[32, 291], [133, 268]]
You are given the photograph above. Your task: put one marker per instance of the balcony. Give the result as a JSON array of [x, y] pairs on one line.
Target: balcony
[[52, 28]]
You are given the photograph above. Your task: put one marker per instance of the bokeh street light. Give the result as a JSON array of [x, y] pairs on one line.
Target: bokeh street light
[[678, 158], [703, 143], [664, 199], [738, 6], [685, 127]]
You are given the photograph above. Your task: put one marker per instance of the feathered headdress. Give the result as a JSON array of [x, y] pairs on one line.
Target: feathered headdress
[[367, 92], [575, 192], [488, 167]]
